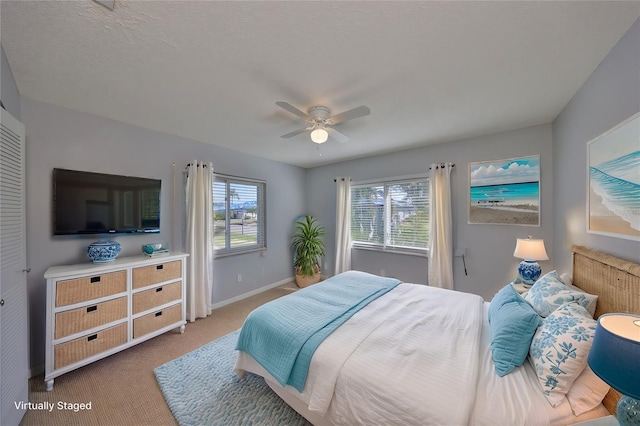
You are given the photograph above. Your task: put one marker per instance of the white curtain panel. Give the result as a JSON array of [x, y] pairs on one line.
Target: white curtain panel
[[199, 239], [343, 225], [440, 223]]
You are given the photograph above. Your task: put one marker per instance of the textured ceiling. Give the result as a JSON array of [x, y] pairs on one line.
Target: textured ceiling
[[212, 71]]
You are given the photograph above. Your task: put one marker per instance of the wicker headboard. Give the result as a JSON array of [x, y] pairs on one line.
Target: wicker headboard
[[617, 284]]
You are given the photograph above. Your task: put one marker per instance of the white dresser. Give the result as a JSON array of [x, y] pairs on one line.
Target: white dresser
[[97, 309]]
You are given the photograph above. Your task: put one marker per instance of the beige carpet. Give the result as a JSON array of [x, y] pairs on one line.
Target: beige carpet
[[122, 388]]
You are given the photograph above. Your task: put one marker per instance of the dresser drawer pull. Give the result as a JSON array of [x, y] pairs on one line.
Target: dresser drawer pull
[[159, 267], [92, 337], [92, 308], [158, 313], [158, 290], [95, 279]]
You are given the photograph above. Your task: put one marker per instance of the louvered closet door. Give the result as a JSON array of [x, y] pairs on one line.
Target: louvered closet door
[[14, 376]]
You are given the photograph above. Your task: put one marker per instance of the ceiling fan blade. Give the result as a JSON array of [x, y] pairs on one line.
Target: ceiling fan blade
[[293, 110], [295, 132], [340, 137], [356, 112]]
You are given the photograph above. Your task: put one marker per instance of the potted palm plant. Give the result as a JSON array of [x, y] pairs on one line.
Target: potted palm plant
[[308, 247]]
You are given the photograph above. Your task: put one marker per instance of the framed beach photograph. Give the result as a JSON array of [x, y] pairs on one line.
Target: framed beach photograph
[[505, 192], [613, 189]]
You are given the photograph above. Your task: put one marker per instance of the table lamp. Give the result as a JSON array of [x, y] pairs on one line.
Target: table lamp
[[530, 250], [615, 358]]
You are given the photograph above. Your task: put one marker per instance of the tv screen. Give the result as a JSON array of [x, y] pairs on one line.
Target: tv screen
[[96, 203]]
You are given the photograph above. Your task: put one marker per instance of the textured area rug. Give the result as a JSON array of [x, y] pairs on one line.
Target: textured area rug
[[201, 388]]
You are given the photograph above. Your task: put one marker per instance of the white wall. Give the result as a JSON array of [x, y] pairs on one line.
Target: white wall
[[59, 137], [489, 248], [608, 97], [8, 89]]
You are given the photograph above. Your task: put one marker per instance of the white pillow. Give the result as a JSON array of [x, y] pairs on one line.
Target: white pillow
[[587, 392], [559, 349], [550, 292], [593, 299], [566, 279]]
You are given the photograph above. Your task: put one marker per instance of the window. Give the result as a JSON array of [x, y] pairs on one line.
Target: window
[[239, 211], [391, 215]]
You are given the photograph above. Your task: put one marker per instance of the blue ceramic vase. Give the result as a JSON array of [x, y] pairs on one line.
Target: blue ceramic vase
[[103, 251]]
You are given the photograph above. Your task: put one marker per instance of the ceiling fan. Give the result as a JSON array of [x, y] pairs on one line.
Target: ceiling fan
[[321, 121]]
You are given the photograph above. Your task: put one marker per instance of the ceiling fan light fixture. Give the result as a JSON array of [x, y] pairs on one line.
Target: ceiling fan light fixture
[[319, 119], [319, 135]]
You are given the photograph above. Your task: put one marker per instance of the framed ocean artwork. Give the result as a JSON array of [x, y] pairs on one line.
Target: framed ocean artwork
[[613, 189], [505, 192]]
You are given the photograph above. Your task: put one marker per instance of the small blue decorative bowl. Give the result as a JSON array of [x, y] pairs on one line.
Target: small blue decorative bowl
[[103, 251]]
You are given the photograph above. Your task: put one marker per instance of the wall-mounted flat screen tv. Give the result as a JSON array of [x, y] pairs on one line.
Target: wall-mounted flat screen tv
[[96, 203]]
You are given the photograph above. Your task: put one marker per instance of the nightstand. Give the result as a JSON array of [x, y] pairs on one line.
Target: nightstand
[[520, 286], [600, 421]]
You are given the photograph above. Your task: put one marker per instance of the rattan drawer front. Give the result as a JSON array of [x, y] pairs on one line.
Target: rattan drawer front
[[149, 299], [154, 274], [84, 347], [77, 320], [156, 320], [91, 287]]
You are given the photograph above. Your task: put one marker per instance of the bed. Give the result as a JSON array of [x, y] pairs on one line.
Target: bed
[[415, 354]]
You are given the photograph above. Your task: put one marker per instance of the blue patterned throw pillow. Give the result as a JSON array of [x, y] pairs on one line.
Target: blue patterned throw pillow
[[560, 348], [550, 292]]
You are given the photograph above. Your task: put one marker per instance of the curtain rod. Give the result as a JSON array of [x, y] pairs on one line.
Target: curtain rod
[[198, 165], [441, 165], [342, 179], [185, 171]]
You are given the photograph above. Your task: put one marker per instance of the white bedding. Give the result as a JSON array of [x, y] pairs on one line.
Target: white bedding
[[417, 355]]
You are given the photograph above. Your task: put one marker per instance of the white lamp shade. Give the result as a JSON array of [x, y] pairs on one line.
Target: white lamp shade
[[319, 135], [530, 249]]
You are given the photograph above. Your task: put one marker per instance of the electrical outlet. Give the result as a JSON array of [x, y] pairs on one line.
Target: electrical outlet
[[459, 252], [383, 273], [239, 278]]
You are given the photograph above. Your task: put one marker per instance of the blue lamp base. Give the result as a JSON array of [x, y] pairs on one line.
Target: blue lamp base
[[628, 412], [529, 271]]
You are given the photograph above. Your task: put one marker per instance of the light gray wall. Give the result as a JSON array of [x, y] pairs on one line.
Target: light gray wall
[[489, 248], [8, 90], [608, 97], [59, 137]]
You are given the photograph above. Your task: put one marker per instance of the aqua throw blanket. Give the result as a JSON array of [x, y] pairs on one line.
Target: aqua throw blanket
[[282, 335]]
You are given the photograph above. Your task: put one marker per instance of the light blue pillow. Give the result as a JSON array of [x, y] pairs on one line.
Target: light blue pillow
[[550, 292], [513, 323]]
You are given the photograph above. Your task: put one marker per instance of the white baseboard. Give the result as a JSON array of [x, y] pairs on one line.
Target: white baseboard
[[252, 293]]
